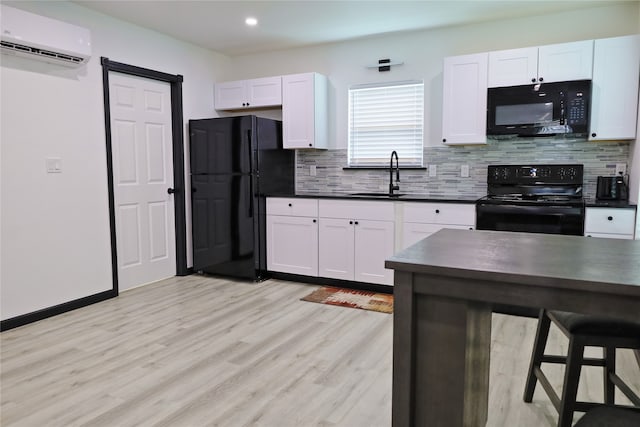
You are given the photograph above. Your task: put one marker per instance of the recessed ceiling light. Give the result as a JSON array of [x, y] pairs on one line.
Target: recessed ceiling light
[[251, 22]]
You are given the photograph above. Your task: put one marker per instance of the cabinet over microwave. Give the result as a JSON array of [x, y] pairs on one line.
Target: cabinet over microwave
[[543, 109]]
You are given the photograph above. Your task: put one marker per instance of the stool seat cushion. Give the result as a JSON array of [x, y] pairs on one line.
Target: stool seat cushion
[[606, 416], [577, 323]]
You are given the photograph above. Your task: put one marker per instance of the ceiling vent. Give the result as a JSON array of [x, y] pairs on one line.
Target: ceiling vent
[[37, 37]]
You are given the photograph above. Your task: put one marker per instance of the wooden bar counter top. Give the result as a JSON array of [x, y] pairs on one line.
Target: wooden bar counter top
[[446, 286]]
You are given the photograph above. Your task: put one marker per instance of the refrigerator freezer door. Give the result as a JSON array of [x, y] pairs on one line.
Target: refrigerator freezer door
[[221, 146], [223, 225]]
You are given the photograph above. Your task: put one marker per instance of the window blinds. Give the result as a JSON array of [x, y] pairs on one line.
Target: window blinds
[[383, 119]]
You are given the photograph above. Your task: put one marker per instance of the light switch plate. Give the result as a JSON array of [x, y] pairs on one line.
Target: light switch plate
[[54, 164], [433, 171], [464, 171]]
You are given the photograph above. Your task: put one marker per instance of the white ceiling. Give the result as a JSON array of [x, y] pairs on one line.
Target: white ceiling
[[219, 25]]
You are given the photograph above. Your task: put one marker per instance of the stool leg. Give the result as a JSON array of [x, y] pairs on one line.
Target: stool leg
[[609, 353], [571, 378], [536, 356]]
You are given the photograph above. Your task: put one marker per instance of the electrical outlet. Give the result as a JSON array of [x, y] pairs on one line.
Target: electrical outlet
[[433, 171], [464, 171], [621, 169], [312, 170]]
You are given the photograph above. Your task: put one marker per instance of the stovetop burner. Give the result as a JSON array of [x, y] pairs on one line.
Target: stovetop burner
[[531, 200], [534, 184]]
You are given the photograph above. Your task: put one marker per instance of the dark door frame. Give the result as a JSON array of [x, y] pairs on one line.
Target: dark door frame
[[175, 81]]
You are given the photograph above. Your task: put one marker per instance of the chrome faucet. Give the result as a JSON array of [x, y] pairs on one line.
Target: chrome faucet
[[392, 187]]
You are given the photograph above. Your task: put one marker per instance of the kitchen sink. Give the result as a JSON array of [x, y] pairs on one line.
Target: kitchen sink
[[377, 195]]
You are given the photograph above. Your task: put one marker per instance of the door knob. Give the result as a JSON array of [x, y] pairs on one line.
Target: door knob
[[171, 190]]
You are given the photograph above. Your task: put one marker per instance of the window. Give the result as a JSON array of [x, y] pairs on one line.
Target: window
[[384, 118]]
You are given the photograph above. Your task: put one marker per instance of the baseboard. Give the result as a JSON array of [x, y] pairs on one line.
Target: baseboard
[[372, 287], [24, 319]]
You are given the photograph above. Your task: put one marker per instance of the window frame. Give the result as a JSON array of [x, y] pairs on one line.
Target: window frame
[[415, 124]]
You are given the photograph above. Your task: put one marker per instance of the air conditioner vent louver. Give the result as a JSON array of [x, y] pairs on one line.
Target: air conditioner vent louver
[[40, 52], [41, 38]]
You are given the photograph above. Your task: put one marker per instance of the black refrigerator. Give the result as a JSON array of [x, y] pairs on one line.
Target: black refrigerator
[[235, 163]]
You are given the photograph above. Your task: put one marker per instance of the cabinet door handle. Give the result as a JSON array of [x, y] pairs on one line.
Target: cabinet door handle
[[289, 204], [540, 79], [593, 135], [356, 222], [437, 210], [314, 220], [533, 80], [610, 218], [351, 222]]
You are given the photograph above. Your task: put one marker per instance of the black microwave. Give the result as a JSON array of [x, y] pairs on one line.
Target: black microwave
[[543, 109]]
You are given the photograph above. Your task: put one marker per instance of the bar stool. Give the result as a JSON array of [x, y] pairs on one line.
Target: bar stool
[[582, 330], [607, 416]]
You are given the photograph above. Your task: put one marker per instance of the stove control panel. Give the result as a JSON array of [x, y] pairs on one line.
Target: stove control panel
[[535, 174]]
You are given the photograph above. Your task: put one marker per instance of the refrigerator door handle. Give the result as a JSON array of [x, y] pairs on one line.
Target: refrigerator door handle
[[250, 176]]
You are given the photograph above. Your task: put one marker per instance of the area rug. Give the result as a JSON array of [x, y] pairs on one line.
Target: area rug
[[352, 298]]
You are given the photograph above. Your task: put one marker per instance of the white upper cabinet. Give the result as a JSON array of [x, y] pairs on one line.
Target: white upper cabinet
[[614, 99], [246, 94], [550, 63], [513, 67], [464, 103], [565, 61], [305, 111]]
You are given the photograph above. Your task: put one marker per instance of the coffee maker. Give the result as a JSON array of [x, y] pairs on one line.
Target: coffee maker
[[612, 188]]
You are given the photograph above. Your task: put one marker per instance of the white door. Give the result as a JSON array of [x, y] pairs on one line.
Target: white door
[[142, 156]]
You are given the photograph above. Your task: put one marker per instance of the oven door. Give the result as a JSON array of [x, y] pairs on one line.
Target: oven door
[[549, 219]]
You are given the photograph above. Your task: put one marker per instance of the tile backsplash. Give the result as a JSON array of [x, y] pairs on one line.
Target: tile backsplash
[[598, 158]]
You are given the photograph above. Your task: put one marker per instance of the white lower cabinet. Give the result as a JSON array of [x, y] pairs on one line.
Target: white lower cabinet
[[616, 223], [374, 243], [336, 248], [292, 236], [351, 239], [355, 238], [423, 219]]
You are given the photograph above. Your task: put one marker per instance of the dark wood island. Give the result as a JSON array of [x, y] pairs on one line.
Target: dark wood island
[[446, 286]]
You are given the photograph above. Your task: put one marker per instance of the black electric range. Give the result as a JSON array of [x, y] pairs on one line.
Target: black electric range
[[533, 198]]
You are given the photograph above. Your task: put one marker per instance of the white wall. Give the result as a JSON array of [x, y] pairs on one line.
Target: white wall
[[55, 242], [423, 53]]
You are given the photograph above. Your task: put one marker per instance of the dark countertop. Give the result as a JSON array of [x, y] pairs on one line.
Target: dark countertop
[[403, 197], [571, 262], [590, 202], [593, 203]]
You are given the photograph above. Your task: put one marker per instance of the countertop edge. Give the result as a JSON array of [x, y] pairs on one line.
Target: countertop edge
[[431, 199], [404, 198]]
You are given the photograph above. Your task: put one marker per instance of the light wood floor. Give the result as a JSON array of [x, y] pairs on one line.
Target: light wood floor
[[198, 351]]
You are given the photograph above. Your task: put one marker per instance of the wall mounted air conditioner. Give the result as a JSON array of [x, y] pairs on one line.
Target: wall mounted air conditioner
[[45, 39]]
